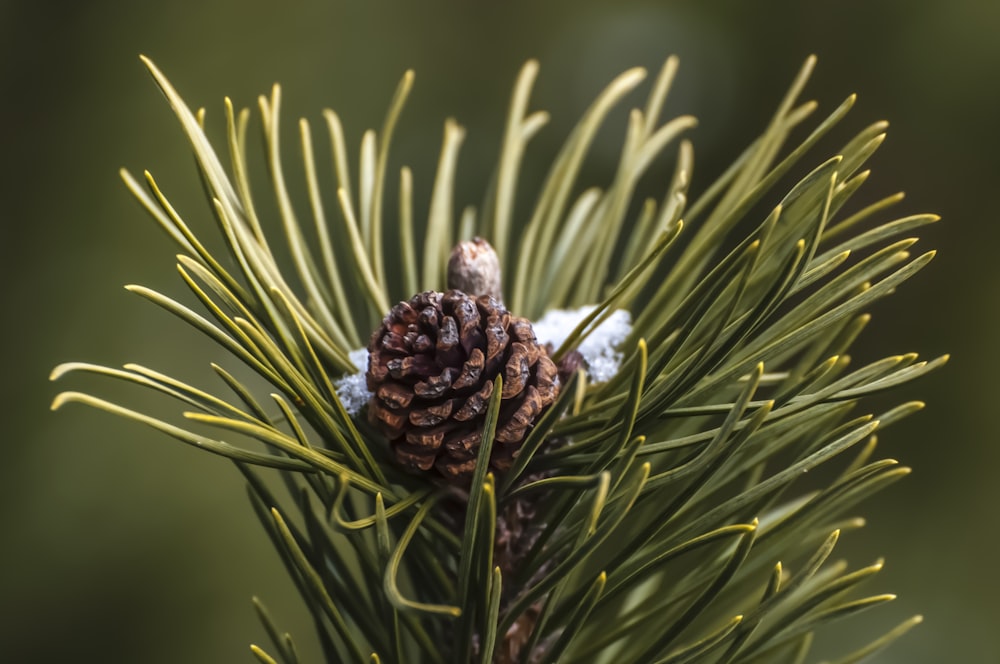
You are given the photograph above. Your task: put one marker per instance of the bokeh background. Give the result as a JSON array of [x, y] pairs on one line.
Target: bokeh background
[[120, 545]]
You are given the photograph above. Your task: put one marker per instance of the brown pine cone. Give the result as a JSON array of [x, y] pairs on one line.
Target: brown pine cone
[[431, 367]]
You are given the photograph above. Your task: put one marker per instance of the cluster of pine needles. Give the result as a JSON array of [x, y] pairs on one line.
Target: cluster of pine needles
[[674, 515]]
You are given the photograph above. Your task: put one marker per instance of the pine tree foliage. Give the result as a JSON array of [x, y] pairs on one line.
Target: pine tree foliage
[[665, 515]]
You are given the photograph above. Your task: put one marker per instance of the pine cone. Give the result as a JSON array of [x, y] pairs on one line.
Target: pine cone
[[431, 367]]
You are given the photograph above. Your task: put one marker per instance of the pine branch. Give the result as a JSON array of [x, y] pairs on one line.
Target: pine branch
[[659, 504]]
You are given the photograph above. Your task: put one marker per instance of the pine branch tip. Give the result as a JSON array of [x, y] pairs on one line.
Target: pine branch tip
[[530, 66], [61, 370], [639, 73]]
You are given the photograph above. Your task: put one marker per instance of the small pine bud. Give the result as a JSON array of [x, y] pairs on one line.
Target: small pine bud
[[474, 268]]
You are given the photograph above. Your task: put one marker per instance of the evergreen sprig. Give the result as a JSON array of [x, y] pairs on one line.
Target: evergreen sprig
[[670, 505]]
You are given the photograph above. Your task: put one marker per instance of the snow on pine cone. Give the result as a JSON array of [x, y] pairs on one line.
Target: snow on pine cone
[[431, 367]]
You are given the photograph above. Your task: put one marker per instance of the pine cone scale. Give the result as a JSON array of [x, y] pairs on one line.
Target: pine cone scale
[[431, 438], [475, 404], [471, 370], [394, 396], [432, 415], [515, 371]]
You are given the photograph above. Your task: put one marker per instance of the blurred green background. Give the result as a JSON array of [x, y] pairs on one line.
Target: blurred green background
[[120, 545]]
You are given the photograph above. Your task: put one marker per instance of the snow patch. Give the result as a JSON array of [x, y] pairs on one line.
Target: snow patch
[[351, 388], [599, 348]]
